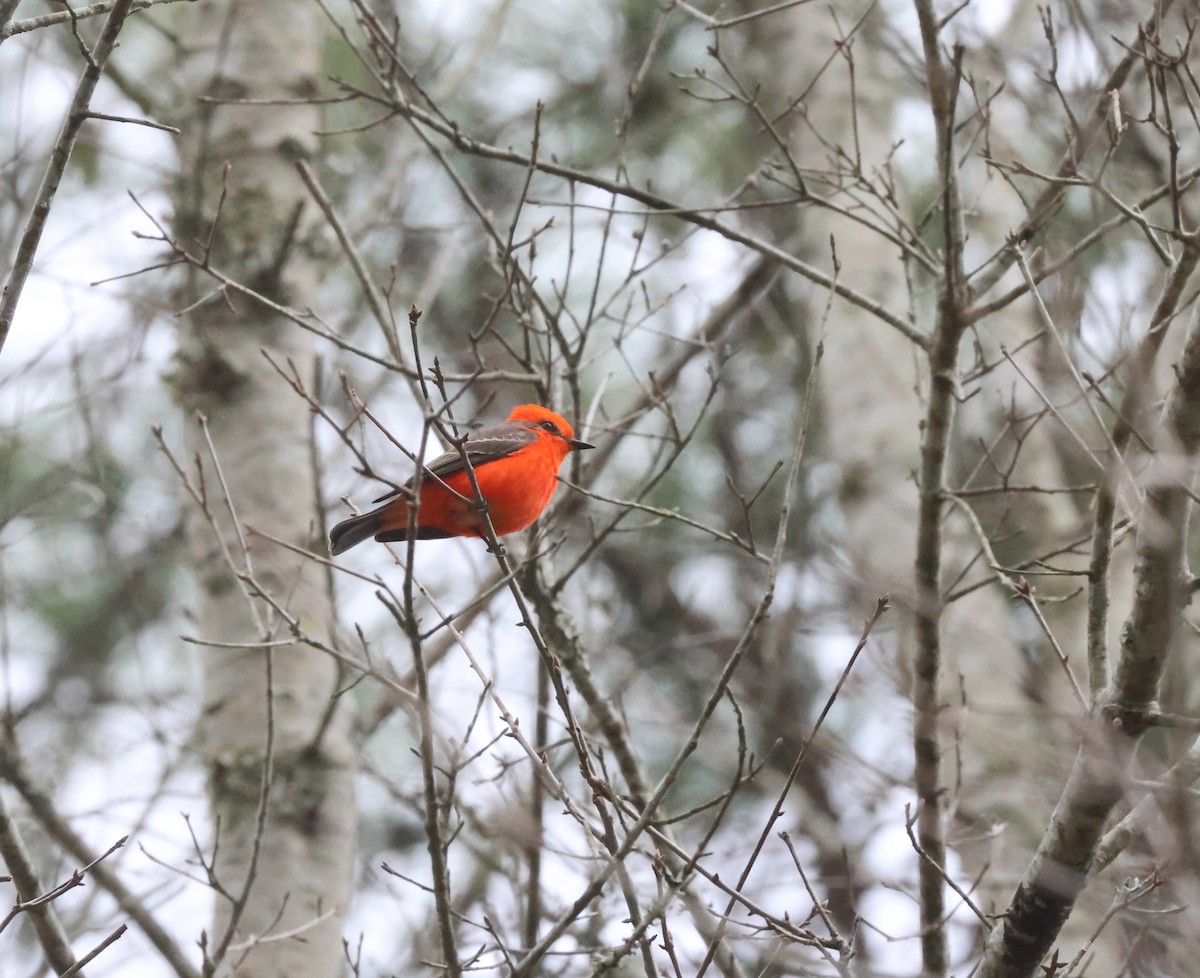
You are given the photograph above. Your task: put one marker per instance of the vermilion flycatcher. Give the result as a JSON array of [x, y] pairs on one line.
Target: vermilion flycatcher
[[515, 464]]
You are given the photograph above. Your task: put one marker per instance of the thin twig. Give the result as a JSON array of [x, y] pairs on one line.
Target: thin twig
[[91, 955], [51, 934], [77, 113], [75, 14]]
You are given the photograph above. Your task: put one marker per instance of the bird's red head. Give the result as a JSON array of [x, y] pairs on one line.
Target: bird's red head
[[538, 418]]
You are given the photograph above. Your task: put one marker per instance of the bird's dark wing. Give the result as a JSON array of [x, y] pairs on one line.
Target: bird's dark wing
[[486, 445]]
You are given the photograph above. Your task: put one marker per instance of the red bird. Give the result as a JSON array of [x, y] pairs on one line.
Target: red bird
[[516, 466]]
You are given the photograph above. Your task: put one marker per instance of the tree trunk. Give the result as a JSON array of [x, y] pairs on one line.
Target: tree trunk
[[276, 742]]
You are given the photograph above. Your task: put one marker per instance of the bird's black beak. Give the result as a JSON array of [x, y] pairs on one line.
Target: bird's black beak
[[576, 444]]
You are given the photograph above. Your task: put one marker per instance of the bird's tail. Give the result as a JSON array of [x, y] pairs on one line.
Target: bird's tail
[[349, 533]]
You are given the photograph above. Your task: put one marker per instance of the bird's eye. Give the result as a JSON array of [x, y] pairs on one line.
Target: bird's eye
[[549, 426]]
